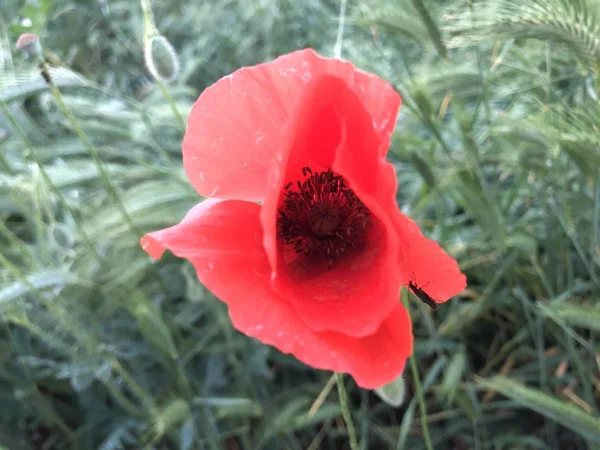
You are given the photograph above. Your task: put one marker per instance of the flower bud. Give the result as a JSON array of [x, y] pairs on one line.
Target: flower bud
[[393, 393], [161, 59], [30, 44]]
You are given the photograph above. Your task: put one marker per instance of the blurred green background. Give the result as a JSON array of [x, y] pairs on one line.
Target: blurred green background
[[497, 150]]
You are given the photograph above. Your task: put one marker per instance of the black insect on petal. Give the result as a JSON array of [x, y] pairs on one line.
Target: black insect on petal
[[423, 296]]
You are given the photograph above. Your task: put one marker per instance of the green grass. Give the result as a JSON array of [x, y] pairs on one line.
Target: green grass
[[497, 152]]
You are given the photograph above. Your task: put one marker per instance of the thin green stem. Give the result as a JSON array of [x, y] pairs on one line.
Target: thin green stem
[[415, 373], [93, 151], [135, 388], [337, 51], [169, 98], [420, 394], [339, 378], [150, 26]]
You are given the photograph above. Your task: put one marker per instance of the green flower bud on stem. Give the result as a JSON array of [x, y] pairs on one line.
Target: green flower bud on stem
[[161, 59]]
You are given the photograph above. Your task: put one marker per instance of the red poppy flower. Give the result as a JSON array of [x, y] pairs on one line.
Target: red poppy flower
[[303, 238]]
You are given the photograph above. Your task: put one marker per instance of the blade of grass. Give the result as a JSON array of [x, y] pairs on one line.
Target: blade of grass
[[432, 29], [568, 415]]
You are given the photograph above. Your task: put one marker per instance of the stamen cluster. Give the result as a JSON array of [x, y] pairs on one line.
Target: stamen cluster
[[321, 218]]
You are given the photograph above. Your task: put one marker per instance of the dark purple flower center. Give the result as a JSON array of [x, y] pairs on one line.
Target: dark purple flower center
[[321, 218]]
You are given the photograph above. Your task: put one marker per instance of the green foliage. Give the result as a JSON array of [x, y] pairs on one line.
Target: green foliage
[[573, 23], [497, 155], [563, 412]]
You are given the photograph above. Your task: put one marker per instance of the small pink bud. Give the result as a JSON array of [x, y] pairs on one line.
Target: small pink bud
[[30, 44]]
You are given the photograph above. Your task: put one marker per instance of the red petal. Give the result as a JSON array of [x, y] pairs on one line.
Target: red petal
[[426, 264], [234, 129], [333, 129], [230, 261]]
